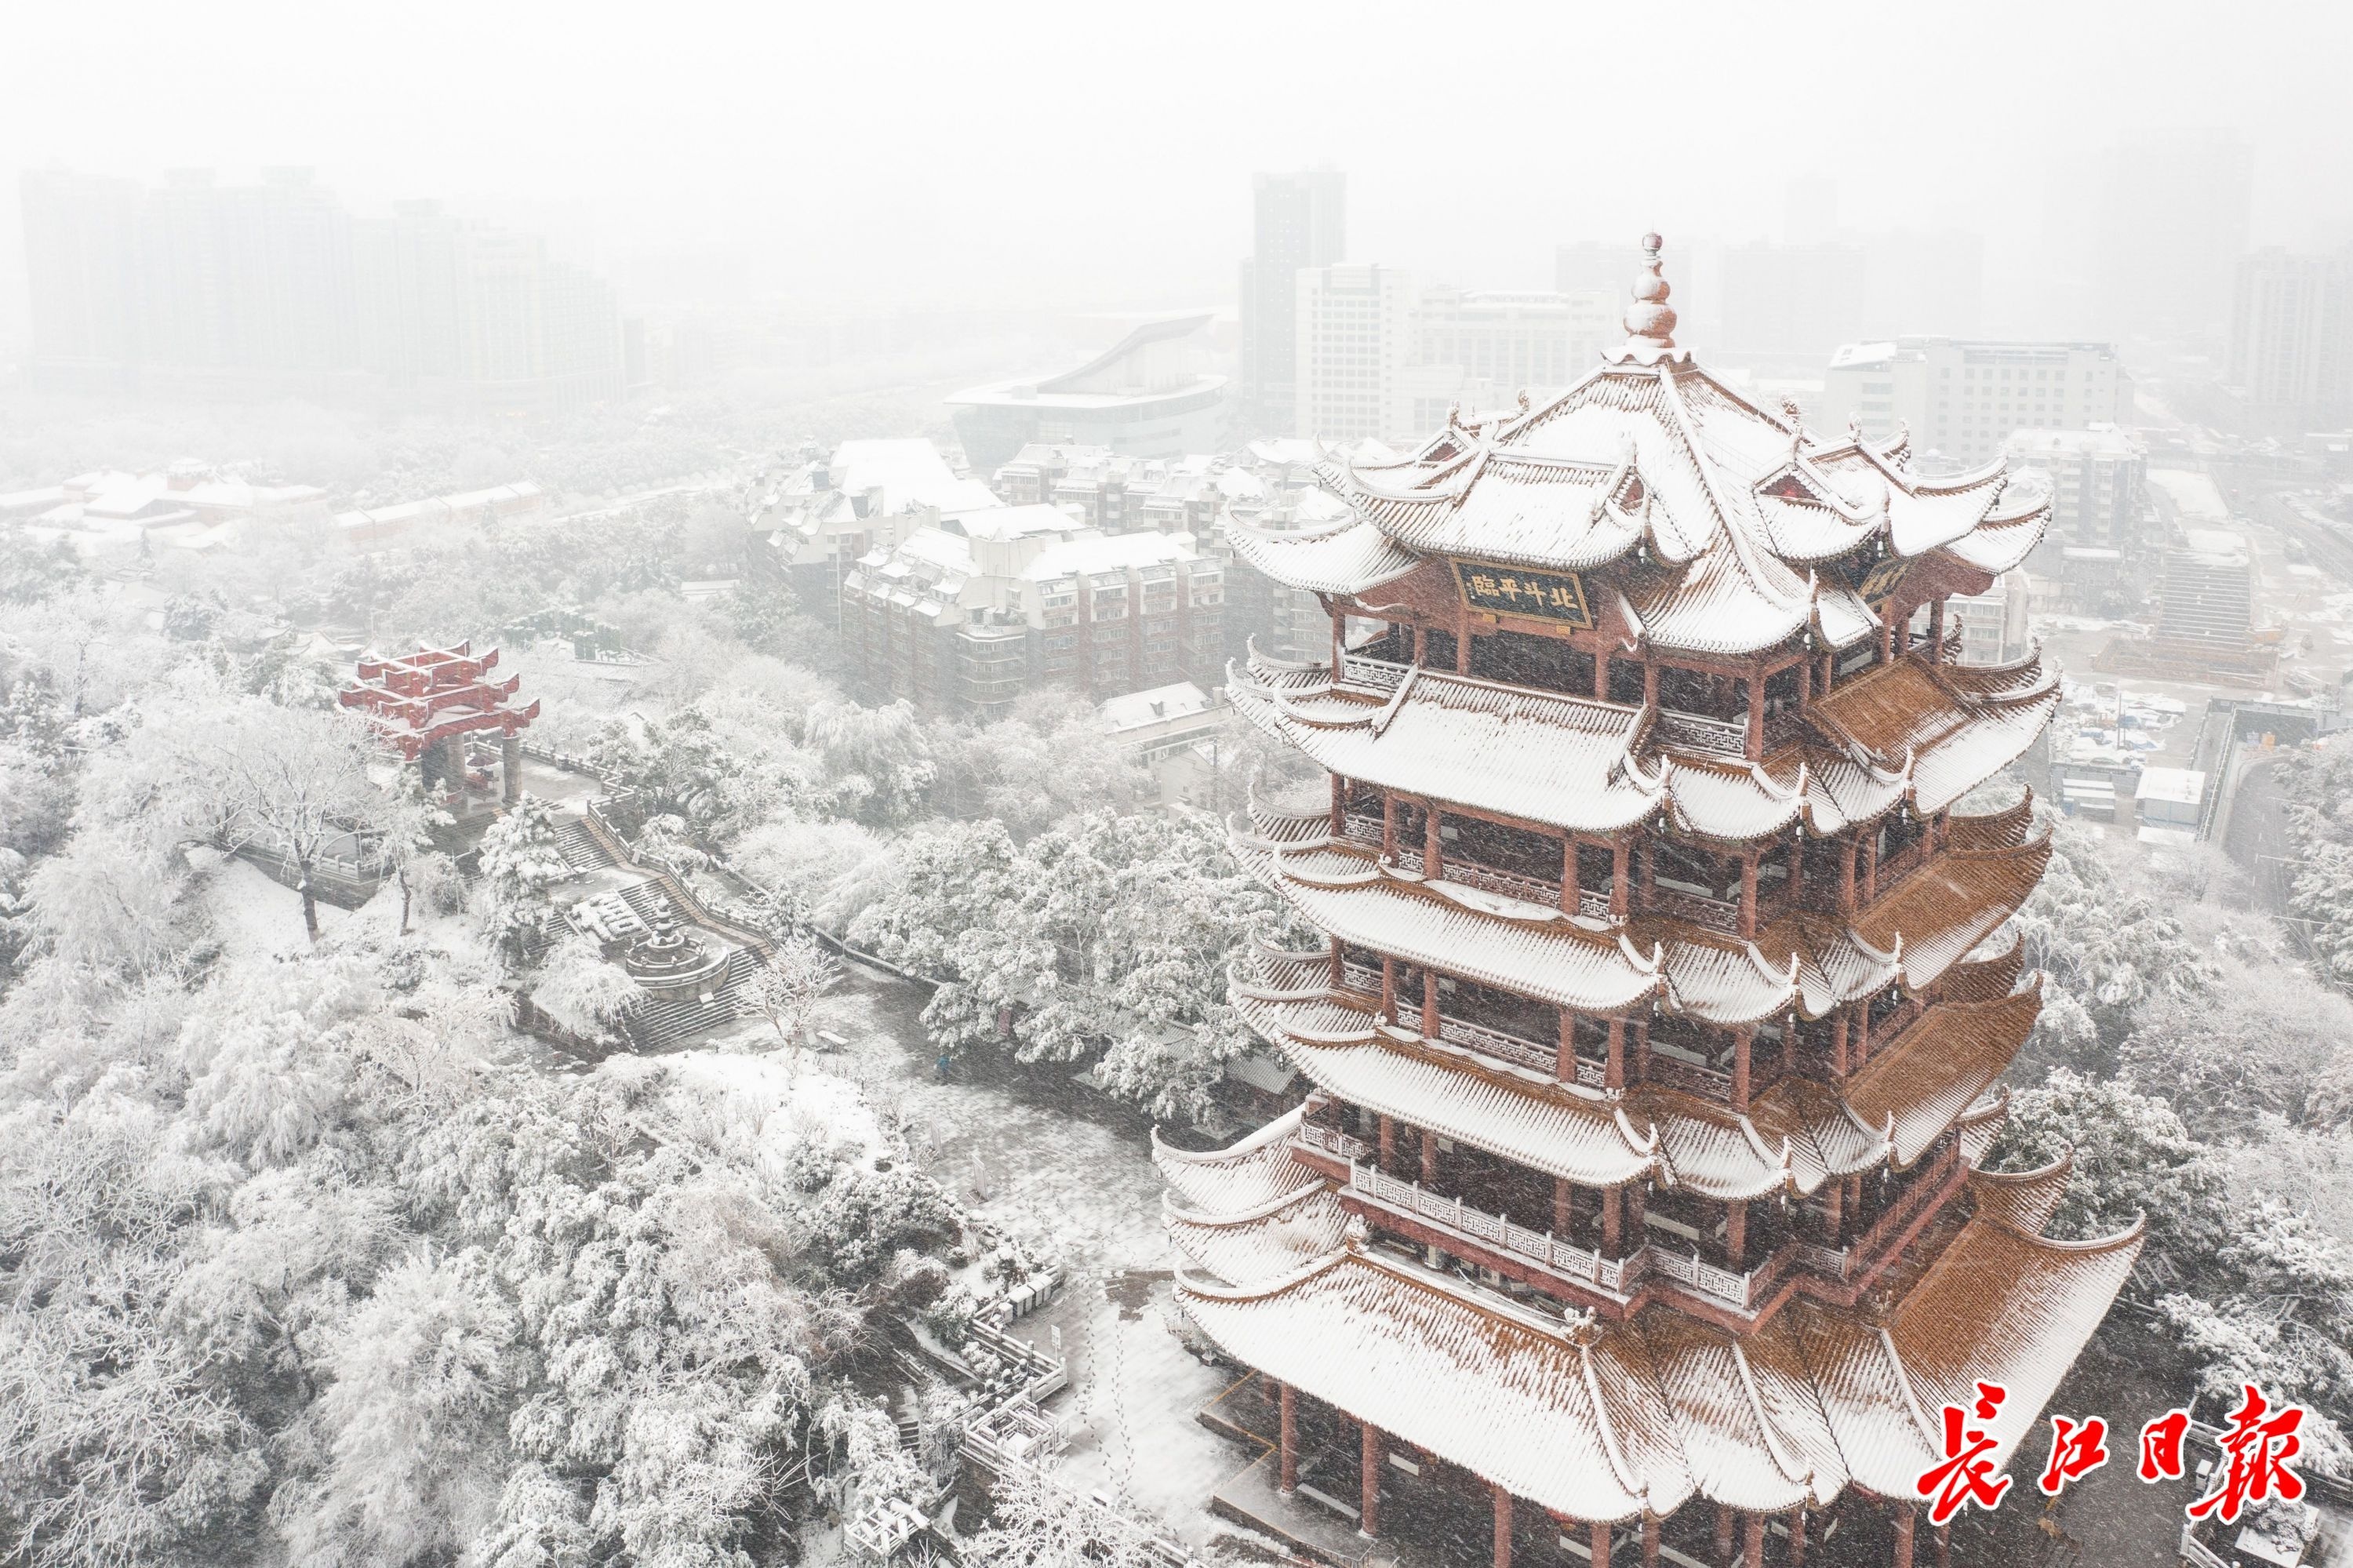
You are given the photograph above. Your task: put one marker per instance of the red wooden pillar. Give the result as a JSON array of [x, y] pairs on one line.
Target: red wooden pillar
[[1650, 685], [1839, 1062], [1901, 1556], [1288, 1475], [1611, 1203], [1600, 676], [1724, 1535], [1846, 873], [1569, 889], [1871, 867], [1388, 1145], [1805, 681], [1637, 1197], [1748, 895], [1620, 867], [1600, 1546], [1388, 826], [1433, 850], [1752, 1541], [1935, 631], [1756, 713], [1798, 1538], [1368, 1502], [1339, 805], [1613, 1076], [1503, 1528], [1743, 1042], [1650, 1542], [1421, 644], [1564, 1063], [1388, 988], [1834, 1204], [1463, 648], [1429, 1003], [1563, 1214], [1943, 1531], [1339, 965], [1735, 1234], [1428, 1157]]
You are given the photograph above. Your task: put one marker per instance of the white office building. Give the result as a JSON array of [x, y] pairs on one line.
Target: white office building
[[1964, 398], [1382, 357]]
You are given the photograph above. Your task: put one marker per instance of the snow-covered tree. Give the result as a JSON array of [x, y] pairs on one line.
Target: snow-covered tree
[[521, 858], [878, 762], [810, 866], [786, 990], [2258, 1039], [1050, 757], [577, 988], [943, 880]]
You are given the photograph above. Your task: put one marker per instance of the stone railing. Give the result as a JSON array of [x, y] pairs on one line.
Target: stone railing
[[1696, 732], [2197, 1555], [1357, 977], [1593, 906], [1361, 670]]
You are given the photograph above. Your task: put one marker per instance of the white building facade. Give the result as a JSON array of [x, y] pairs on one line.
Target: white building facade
[[1963, 398]]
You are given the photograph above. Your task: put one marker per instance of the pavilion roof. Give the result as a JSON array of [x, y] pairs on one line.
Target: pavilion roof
[[1610, 1421], [1915, 930], [1906, 733], [1797, 1134], [1730, 527]]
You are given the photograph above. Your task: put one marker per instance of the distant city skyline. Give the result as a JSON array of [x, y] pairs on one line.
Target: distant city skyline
[[1472, 151]]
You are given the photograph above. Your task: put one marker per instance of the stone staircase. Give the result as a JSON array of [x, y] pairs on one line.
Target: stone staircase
[[580, 848]]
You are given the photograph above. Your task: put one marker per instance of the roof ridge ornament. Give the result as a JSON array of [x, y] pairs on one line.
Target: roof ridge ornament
[[1649, 318]]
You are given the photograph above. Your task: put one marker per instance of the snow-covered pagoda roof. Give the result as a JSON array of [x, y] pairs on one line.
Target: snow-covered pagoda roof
[[1908, 732], [1796, 1136], [1803, 962], [1613, 1420], [1721, 517]]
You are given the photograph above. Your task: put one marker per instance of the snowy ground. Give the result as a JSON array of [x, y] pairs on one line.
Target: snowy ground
[[254, 917], [1071, 1174]]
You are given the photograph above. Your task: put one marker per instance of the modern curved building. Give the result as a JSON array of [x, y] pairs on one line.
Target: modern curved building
[[1142, 398]]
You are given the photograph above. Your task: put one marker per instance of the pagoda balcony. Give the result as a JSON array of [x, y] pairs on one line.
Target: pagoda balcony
[[1539, 1257], [1365, 831], [1857, 1263], [1536, 1056]]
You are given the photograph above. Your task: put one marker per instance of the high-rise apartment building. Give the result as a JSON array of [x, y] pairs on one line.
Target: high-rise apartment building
[[1962, 397], [275, 286], [2096, 478], [2170, 226], [2292, 334], [1354, 335], [1298, 221], [1379, 355]]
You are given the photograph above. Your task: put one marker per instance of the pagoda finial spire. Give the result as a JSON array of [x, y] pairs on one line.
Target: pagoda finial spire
[[1649, 318]]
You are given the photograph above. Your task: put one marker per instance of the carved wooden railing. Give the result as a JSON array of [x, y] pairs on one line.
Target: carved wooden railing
[[1715, 914], [1696, 732], [1361, 670], [1566, 1260]]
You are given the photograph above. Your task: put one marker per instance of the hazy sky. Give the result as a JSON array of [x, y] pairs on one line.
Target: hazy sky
[[962, 153]]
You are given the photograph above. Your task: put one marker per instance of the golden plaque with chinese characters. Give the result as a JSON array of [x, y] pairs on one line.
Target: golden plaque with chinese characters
[[1515, 590]]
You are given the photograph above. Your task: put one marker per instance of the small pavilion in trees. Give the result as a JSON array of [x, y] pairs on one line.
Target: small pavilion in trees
[[425, 704], [1659, 1022]]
